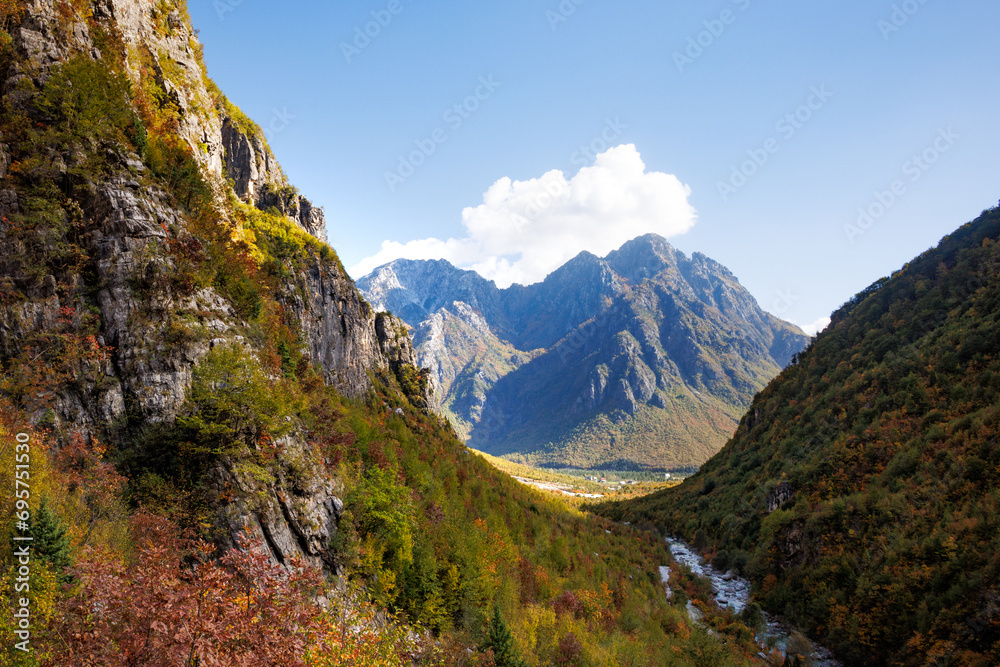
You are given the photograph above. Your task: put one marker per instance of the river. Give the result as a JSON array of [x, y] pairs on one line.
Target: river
[[734, 592]]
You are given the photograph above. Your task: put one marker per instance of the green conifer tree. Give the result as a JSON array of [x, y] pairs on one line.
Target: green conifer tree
[[501, 641], [49, 539]]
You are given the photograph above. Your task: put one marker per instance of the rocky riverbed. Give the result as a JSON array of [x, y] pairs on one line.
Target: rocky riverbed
[[734, 592]]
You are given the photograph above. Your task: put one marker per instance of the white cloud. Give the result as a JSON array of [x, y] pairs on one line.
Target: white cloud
[[524, 230], [816, 327]]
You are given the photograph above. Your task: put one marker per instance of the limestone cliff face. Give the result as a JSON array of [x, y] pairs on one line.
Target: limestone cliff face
[[163, 43], [257, 178], [330, 310], [96, 332]]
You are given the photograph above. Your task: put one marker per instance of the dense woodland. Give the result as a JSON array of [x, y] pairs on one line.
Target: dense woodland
[[443, 559], [862, 489]]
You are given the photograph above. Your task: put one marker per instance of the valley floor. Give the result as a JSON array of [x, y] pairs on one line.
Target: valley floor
[[731, 593]]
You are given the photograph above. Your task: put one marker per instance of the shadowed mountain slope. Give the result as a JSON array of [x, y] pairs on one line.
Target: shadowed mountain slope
[[644, 358]]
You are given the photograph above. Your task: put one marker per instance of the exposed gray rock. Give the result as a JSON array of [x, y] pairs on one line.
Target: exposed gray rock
[[248, 162], [8, 202], [4, 160], [258, 179], [658, 323], [346, 337], [149, 332], [782, 494], [295, 517]]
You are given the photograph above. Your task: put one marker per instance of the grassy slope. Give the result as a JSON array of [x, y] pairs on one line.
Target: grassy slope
[[653, 439], [886, 432]]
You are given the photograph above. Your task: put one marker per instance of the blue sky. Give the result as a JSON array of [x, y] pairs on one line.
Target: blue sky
[[822, 110]]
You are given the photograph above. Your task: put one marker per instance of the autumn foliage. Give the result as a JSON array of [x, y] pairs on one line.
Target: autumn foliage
[[884, 440], [430, 537], [174, 605]]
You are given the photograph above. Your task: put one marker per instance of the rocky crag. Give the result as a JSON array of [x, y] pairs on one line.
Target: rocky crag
[[103, 320]]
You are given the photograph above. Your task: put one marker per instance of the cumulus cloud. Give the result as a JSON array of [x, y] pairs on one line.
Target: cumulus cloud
[[524, 230], [816, 327]]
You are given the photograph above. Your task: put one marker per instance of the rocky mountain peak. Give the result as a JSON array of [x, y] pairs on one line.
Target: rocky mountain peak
[[585, 268], [644, 257], [413, 289], [601, 346]]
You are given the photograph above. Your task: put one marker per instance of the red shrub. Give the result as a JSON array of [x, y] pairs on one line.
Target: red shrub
[[173, 606]]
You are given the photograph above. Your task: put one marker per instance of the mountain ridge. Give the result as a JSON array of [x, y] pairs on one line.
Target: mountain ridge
[[499, 343], [859, 493]]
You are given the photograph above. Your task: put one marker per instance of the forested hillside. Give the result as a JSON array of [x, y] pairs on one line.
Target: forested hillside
[[862, 489]]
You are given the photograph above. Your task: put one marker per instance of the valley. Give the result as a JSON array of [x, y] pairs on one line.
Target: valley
[[579, 486], [234, 457], [534, 433], [729, 592]]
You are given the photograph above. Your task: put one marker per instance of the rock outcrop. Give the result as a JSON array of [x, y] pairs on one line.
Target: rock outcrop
[[258, 180], [163, 44], [98, 329], [781, 495]]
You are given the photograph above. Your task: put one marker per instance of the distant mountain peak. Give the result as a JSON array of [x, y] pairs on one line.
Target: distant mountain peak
[[643, 346], [644, 257]]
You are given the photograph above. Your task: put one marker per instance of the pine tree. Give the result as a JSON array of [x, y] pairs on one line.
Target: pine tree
[[501, 641], [49, 539]]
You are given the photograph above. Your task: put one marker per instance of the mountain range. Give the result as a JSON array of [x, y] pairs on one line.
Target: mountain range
[[644, 358]]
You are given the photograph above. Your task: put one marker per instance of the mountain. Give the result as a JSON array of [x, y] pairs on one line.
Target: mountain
[[127, 260], [860, 492], [205, 429], [643, 358]]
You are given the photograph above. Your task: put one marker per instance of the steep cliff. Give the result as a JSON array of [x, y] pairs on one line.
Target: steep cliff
[[126, 258]]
